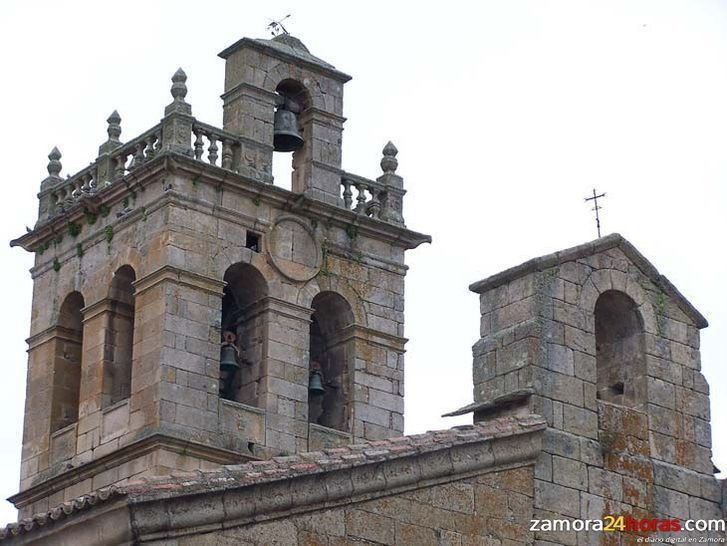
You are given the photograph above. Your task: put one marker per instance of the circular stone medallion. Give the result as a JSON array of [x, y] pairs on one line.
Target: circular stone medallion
[[293, 249]]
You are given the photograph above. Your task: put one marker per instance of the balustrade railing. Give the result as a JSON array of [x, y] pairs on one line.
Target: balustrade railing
[[216, 144], [135, 153], [368, 195], [180, 132], [64, 193]]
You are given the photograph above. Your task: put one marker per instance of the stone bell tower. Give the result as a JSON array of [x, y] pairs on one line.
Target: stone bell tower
[[187, 313], [598, 342]]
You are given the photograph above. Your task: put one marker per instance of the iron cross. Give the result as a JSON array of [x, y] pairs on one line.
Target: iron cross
[[595, 199]]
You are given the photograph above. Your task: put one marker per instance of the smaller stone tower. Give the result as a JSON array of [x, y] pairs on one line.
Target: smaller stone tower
[[187, 313], [604, 347]]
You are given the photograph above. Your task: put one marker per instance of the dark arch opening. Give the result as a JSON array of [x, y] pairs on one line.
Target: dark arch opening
[[118, 355], [285, 166], [620, 361], [66, 382], [242, 316], [332, 358]]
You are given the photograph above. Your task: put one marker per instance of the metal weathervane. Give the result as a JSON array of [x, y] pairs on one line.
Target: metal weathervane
[[276, 27], [596, 208]]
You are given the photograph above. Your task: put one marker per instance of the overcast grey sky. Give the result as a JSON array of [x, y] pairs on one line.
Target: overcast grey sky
[[506, 114]]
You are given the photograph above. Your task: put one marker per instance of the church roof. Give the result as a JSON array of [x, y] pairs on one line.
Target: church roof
[[368, 467], [615, 240]]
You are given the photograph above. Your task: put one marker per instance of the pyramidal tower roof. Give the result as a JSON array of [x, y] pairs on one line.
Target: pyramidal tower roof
[[285, 46]]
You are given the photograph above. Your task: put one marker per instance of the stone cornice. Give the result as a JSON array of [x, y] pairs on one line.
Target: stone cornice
[[280, 198], [49, 334], [106, 305], [253, 91], [369, 335], [321, 66], [108, 196], [178, 276], [126, 453]]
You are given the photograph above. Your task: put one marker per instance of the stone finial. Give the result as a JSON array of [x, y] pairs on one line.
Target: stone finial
[[179, 85], [114, 128], [54, 165], [389, 163], [177, 123]]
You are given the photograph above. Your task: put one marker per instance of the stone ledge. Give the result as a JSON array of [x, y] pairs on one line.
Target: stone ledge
[[511, 397], [51, 482]]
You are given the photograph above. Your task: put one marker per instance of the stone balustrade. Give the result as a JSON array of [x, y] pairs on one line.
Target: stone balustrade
[[381, 198], [61, 194], [180, 132], [217, 143], [135, 153], [362, 195]]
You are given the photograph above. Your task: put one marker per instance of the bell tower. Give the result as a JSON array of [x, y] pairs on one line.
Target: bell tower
[[189, 314], [606, 349], [269, 82]]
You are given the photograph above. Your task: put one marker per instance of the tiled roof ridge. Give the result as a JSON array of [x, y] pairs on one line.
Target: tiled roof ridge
[[290, 466], [285, 467], [62, 511]]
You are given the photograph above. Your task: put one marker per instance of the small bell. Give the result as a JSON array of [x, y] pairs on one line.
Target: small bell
[[228, 358], [286, 137], [315, 383]]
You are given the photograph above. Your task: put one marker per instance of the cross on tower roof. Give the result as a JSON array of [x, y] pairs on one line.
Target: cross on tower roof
[[595, 199]]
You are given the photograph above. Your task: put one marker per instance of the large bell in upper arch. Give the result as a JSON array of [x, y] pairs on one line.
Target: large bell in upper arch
[[286, 137]]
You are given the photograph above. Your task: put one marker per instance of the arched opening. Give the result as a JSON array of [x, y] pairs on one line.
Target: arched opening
[[242, 334], [66, 384], [331, 361], [620, 361], [119, 338], [290, 135]]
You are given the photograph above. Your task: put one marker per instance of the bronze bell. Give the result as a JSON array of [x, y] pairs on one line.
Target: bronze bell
[[286, 137], [315, 383], [228, 358]]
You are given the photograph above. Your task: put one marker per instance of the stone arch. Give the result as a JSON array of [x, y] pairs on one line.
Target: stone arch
[[620, 350], [333, 284], [284, 71], [97, 281], [119, 338], [332, 358], [601, 280], [229, 256], [243, 333], [67, 361]]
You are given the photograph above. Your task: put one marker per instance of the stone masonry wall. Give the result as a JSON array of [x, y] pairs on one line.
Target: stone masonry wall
[[599, 458], [492, 509]]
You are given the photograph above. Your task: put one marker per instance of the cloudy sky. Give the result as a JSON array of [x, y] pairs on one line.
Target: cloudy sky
[[506, 114]]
